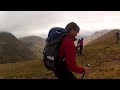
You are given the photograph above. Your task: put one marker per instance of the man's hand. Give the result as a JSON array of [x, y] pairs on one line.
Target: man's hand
[[86, 68]]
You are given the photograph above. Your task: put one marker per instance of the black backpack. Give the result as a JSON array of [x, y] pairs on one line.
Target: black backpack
[[51, 49]]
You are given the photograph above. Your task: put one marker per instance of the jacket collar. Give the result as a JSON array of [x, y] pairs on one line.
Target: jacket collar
[[71, 37]]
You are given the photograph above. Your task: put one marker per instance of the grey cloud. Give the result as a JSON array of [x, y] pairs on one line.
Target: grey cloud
[[29, 20], [23, 23]]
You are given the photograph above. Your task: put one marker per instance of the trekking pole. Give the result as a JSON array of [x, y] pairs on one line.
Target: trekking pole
[[83, 75], [88, 65]]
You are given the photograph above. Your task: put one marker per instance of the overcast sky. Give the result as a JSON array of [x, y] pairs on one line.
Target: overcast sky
[[24, 23]]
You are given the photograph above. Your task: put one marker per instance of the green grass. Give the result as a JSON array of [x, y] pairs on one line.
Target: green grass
[[104, 55], [33, 69]]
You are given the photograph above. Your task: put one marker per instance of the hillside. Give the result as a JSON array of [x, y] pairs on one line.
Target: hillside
[[12, 50], [104, 55], [95, 36], [35, 44], [28, 69]]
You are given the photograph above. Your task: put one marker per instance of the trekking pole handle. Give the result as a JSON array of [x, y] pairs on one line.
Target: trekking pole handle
[[87, 65]]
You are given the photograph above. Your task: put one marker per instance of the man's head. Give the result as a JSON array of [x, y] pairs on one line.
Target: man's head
[[72, 28]]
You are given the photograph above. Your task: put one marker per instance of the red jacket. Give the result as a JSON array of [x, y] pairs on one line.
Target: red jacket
[[67, 48], [81, 42]]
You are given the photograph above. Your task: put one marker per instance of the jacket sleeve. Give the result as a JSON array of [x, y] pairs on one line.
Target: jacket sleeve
[[71, 58]]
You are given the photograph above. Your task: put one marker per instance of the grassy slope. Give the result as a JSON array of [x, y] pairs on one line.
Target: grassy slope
[[33, 69], [103, 54]]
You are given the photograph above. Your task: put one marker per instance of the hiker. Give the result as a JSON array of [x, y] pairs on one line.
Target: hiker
[[76, 45], [117, 36], [81, 46], [67, 55], [78, 42]]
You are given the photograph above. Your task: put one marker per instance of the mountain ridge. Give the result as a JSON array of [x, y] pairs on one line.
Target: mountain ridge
[[12, 50]]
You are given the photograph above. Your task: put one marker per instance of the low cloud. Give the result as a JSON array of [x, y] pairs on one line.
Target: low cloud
[[24, 23]]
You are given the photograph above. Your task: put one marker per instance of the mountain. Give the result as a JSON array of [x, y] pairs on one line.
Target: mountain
[[12, 50], [35, 44], [84, 34], [95, 36]]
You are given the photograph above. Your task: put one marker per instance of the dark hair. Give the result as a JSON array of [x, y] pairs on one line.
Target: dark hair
[[72, 25]]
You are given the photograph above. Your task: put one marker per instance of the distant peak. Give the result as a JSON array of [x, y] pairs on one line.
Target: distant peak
[[95, 32], [7, 35], [31, 37]]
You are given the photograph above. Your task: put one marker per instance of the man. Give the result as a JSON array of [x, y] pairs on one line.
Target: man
[[67, 55]]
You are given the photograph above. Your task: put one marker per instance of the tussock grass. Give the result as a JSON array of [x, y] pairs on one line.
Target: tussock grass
[[104, 56], [33, 69]]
